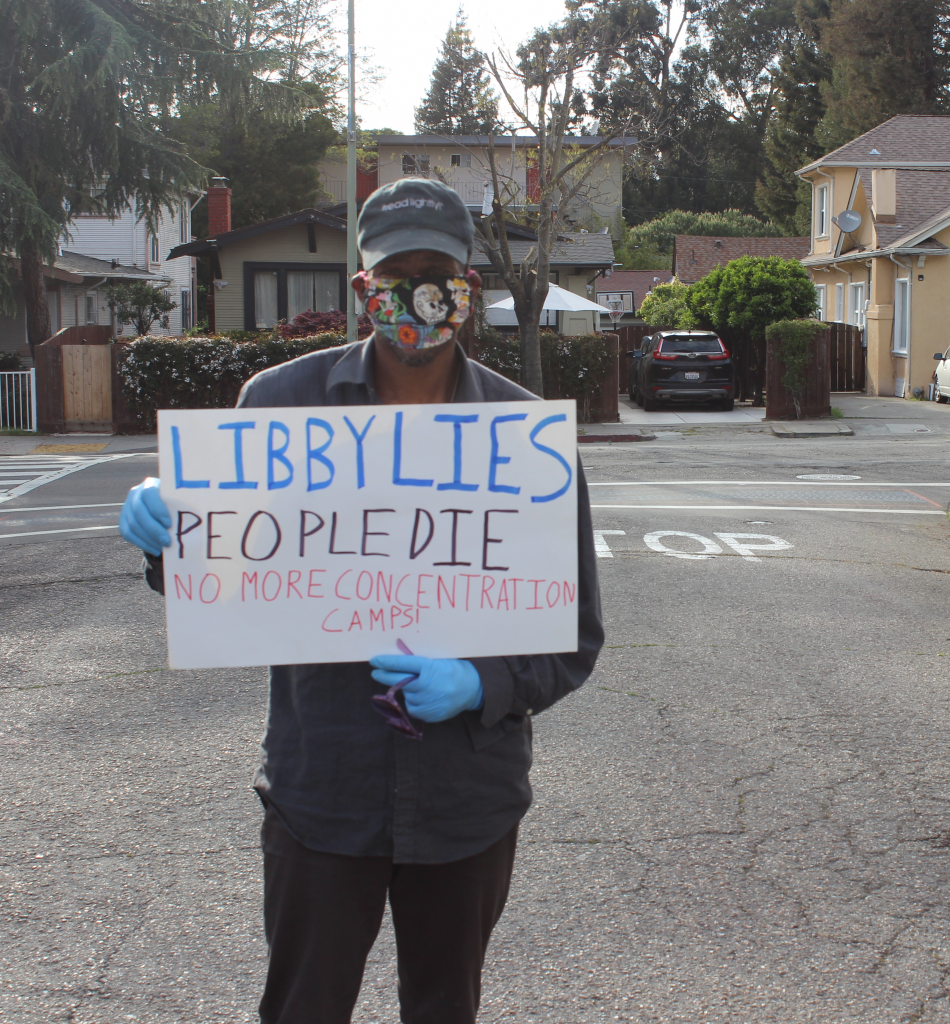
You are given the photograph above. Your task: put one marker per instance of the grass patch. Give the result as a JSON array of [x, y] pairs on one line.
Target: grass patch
[[16, 432], [836, 413]]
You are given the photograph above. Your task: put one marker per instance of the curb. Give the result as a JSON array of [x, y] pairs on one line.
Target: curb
[[589, 438], [811, 430]]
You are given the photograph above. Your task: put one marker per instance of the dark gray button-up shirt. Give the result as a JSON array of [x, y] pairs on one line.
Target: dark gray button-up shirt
[[340, 778]]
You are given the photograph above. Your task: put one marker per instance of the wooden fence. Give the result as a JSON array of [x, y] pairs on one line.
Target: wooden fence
[[77, 383], [846, 357], [816, 395]]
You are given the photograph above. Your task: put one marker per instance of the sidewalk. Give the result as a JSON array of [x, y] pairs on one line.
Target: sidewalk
[[76, 444], [866, 415]]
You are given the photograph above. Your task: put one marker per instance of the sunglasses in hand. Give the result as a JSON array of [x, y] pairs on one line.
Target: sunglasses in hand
[[392, 707]]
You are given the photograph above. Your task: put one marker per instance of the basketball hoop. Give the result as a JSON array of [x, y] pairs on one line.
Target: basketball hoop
[[616, 310]]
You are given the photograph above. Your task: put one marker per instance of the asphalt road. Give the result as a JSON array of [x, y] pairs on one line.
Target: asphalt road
[[743, 816]]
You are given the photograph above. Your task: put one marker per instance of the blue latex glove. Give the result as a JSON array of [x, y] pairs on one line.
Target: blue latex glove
[[443, 688], [144, 520]]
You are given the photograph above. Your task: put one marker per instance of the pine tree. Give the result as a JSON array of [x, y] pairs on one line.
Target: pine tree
[[889, 57], [84, 92], [791, 140], [460, 100]]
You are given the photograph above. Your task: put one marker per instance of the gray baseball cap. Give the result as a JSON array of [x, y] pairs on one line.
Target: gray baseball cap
[[414, 213]]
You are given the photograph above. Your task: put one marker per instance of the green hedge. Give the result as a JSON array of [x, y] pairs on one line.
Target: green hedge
[[208, 373], [202, 373], [571, 367]]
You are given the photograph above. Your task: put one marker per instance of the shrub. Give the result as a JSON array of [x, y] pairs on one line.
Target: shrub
[[333, 322], [739, 300], [665, 306], [571, 367], [795, 349], [202, 373], [9, 361], [140, 304]]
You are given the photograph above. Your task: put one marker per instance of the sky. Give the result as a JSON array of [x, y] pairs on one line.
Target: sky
[[403, 41]]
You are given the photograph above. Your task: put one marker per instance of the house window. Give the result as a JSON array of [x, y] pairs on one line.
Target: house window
[[92, 307], [318, 290], [839, 303], [822, 304], [153, 253], [456, 159], [277, 292], [415, 166], [265, 299], [821, 211], [184, 232], [856, 305], [901, 315], [185, 311]]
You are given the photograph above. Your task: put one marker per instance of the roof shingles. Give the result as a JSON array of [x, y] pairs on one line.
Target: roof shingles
[[905, 139], [695, 255], [576, 249]]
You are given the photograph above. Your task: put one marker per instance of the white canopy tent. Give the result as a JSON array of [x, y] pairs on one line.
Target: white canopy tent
[[558, 298]]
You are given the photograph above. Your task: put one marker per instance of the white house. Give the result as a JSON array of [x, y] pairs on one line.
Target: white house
[[98, 251], [126, 239]]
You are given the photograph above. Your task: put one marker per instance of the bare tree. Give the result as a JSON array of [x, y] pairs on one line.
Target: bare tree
[[539, 86]]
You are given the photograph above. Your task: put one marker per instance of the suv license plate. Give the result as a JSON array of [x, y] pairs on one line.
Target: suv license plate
[[691, 376]]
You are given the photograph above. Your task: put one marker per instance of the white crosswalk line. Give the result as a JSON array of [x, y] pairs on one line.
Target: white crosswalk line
[[37, 471]]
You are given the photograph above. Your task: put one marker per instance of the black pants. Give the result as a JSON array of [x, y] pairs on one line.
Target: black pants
[[322, 913]]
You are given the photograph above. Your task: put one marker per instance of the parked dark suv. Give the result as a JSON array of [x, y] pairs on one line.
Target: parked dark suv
[[682, 366]]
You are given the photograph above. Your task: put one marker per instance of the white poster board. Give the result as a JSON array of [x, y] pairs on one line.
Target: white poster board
[[304, 535]]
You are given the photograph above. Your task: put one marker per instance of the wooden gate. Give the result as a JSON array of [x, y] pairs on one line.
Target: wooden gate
[[87, 388], [846, 355]]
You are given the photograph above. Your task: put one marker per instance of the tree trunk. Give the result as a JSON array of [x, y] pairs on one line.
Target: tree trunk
[[38, 326], [531, 357]]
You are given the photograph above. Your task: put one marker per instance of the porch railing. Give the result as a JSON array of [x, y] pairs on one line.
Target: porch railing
[[18, 400]]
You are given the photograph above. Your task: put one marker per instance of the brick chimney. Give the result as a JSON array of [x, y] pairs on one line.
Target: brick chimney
[[219, 207]]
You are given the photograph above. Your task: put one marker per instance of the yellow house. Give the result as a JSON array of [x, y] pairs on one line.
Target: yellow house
[[880, 242]]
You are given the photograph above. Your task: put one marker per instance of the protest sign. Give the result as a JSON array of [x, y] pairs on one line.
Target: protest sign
[[324, 534]]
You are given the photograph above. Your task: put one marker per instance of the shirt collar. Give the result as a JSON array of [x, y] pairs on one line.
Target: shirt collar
[[356, 367]]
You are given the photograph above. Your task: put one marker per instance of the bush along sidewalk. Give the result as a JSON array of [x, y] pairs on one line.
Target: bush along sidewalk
[[573, 367], [208, 373], [202, 373]]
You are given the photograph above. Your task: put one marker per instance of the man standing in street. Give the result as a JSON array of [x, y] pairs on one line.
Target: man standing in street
[[356, 811]]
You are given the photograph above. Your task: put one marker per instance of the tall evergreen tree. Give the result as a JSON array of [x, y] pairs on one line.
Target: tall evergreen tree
[[84, 90], [791, 139], [889, 57], [460, 100]]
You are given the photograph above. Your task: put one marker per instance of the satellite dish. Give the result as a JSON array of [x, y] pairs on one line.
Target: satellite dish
[[848, 221]]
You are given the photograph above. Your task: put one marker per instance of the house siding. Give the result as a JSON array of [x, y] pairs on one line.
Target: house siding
[[126, 239], [597, 205], [912, 198], [287, 245]]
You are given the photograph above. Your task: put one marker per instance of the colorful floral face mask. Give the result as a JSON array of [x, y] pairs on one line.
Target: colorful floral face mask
[[417, 312]]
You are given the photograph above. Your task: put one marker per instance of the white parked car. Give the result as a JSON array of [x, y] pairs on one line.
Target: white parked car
[[942, 377]]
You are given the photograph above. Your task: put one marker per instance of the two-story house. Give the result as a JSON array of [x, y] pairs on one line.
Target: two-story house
[[126, 239], [99, 251], [879, 245], [462, 162]]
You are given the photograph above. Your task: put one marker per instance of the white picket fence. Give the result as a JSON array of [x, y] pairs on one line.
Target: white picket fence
[[18, 400]]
